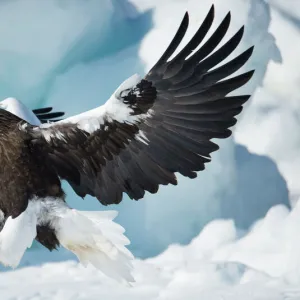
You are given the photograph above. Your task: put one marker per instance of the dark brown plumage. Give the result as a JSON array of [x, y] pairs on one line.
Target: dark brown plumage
[[24, 174]]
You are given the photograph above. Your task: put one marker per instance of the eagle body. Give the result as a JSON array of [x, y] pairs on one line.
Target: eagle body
[[149, 129], [25, 175]]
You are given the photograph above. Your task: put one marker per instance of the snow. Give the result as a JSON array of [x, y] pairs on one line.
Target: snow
[[274, 110], [220, 263]]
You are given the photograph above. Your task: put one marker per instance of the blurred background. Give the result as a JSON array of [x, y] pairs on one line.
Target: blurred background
[[72, 55]]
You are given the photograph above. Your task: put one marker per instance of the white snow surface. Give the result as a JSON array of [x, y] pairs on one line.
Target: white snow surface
[[271, 124], [219, 264]]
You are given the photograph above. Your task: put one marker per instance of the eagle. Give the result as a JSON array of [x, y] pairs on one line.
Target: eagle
[[151, 128]]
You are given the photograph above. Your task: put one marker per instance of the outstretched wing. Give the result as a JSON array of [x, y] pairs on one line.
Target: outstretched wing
[[153, 127], [46, 114]]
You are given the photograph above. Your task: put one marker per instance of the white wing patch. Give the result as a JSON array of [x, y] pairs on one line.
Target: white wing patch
[[113, 110], [53, 134]]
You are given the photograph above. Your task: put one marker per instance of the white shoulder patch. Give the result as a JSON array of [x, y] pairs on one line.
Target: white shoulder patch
[[127, 84], [113, 110], [17, 108]]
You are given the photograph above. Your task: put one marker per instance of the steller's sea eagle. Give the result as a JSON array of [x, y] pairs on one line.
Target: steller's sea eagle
[[148, 130]]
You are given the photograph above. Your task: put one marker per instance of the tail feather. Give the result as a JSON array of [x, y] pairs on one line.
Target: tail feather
[[97, 240], [119, 269], [112, 230]]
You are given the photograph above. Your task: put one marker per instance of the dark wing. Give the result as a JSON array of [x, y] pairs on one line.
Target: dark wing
[[45, 114], [152, 128]]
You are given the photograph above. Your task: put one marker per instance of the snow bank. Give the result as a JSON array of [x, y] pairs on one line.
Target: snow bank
[[271, 125], [218, 264]]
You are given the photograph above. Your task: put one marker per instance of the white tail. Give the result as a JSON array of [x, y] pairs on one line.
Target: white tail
[[96, 239]]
